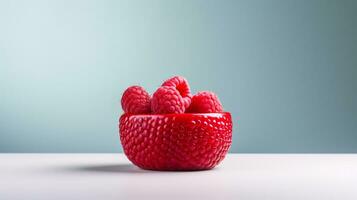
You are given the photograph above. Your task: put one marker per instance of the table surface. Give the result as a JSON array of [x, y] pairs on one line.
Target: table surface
[[239, 176]]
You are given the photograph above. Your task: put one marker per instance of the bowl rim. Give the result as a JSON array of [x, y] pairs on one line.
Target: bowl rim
[[180, 114]]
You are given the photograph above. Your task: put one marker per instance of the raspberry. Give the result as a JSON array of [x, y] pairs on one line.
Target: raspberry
[[135, 100], [205, 102], [181, 84], [176, 141], [167, 100]]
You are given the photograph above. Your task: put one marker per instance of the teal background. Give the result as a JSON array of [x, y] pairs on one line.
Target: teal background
[[286, 70]]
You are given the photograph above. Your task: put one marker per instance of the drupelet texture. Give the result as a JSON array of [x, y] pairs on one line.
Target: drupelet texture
[[167, 100], [205, 102], [176, 141], [136, 100]]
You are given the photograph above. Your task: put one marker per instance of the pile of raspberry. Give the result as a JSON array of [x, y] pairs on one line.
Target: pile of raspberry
[[173, 96]]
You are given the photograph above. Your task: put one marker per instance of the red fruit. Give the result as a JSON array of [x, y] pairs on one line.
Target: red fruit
[[176, 141], [181, 84], [205, 102], [136, 100], [167, 100]]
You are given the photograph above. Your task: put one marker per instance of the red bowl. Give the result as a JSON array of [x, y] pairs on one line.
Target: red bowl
[[176, 141]]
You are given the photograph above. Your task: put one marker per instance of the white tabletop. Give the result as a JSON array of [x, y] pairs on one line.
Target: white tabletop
[[239, 177]]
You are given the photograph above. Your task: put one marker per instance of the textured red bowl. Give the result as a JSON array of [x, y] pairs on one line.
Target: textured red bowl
[[176, 141]]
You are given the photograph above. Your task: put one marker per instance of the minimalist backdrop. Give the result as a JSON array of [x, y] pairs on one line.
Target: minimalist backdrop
[[286, 70]]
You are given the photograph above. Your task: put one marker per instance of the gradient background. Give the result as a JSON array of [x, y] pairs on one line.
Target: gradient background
[[286, 70]]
